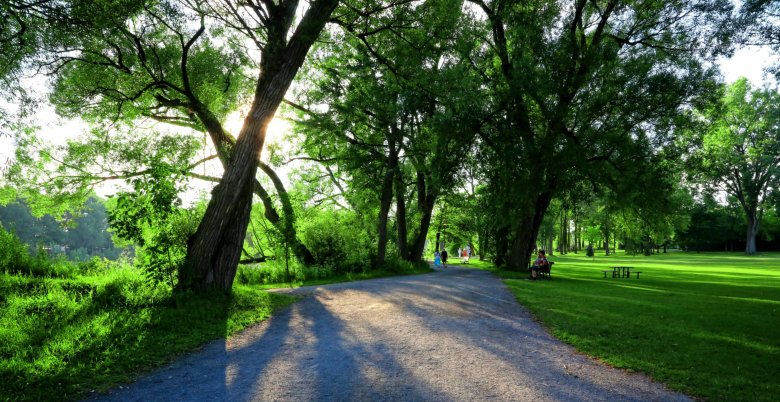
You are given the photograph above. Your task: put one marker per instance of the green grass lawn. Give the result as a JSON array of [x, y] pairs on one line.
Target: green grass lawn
[[706, 324], [60, 339]]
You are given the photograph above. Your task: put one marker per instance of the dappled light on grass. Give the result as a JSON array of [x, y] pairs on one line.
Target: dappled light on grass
[[706, 324]]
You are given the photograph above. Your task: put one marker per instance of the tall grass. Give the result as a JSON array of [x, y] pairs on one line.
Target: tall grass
[[63, 337], [705, 324], [274, 274]]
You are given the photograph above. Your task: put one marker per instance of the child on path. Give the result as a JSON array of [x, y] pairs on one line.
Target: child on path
[[436, 259]]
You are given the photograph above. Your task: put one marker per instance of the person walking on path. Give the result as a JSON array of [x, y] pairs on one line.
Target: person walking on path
[[436, 259], [444, 258]]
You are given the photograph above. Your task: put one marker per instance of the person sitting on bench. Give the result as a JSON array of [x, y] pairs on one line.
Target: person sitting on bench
[[541, 263]]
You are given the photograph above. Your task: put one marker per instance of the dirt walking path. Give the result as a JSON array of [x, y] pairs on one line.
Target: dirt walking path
[[453, 335]]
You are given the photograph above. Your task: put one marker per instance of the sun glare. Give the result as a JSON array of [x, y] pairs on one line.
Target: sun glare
[[276, 130]]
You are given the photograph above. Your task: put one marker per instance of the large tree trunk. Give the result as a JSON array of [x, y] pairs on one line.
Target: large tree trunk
[[426, 199], [418, 246], [526, 231], [752, 232], [214, 250]]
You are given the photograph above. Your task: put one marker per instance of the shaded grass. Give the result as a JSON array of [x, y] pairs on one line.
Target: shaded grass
[[704, 324], [62, 338]]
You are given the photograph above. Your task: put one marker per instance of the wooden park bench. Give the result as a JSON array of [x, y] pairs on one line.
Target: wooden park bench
[[545, 272]]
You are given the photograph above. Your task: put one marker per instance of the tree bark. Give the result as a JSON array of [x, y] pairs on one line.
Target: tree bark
[[400, 215], [214, 250], [752, 232], [502, 245], [385, 199], [526, 231], [426, 198]]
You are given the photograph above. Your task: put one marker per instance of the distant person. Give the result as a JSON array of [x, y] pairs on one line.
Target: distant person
[[460, 251], [468, 250], [465, 256], [540, 263], [444, 258], [436, 258]]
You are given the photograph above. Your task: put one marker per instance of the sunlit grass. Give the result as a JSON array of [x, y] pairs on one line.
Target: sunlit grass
[[705, 324], [62, 338]]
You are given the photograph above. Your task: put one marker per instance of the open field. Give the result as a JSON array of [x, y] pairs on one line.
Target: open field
[[707, 324]]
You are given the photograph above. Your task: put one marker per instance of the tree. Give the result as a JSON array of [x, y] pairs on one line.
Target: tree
[[400, 114], [587, 87], [740, 149], [759, 26], [177, 61]]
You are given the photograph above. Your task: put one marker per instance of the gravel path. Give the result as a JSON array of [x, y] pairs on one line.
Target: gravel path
[[453, 335]]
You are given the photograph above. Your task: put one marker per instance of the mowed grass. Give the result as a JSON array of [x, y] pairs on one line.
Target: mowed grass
[[705, 324], [63, 339]]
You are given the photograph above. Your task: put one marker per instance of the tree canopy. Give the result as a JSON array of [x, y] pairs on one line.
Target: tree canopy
[[521, 124]]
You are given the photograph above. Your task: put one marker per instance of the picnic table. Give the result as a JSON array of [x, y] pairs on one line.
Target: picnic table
[[622, 272]]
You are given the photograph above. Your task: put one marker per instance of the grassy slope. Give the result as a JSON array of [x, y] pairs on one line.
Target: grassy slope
[[62, 338], [705, 324]]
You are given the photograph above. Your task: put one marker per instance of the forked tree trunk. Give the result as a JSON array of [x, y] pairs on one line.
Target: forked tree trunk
[[426, 199], [418, 244], [214, 250]]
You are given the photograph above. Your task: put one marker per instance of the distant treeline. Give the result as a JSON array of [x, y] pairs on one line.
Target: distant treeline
[[716, 227], [78, 236]]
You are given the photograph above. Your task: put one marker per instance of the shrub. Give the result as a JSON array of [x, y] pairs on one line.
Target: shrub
[[589, 250], [13, 253], [337, 243]]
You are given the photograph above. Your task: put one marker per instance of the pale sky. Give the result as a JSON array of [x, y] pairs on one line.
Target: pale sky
[[749, 62]]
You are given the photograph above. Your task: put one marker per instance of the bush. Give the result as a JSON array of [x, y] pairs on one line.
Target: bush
[[13, 253], [589, 250], [337, 243]]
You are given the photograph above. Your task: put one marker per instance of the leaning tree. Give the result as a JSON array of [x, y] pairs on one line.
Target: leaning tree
[[185, 62]]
